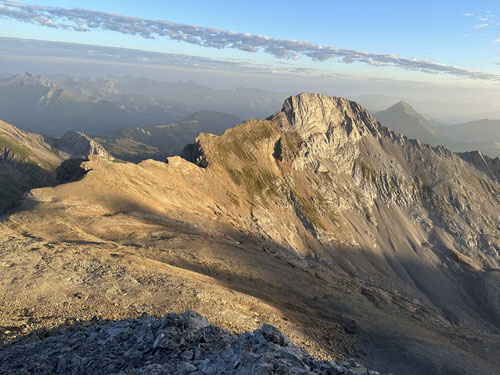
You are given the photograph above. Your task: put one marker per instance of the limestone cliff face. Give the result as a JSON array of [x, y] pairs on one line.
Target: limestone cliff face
[[330, 128], [323, 172]]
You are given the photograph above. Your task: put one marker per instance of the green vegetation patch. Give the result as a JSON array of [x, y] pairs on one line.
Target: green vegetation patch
[[130, 150], [20, 151], [368, 173], [311, 213], [291, 144], [256, 182], [243, 141]]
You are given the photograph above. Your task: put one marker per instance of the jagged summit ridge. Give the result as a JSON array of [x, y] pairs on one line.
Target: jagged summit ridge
[[30, 79], [309, 114], [333, 143]]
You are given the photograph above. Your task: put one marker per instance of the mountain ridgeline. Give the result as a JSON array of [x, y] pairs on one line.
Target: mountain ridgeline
[[156, 142], [350, 238], [36, 103], [481, 135], [30, 160], [53, 105]]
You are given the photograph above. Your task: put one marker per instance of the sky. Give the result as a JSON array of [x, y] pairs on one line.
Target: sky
[[444, 48]]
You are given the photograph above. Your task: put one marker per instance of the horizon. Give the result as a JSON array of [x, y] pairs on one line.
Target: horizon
[[323, 55]]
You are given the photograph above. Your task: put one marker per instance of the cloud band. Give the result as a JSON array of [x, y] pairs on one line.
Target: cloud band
[[86, 20]]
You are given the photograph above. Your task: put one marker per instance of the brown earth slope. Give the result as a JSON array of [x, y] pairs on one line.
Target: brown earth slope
[[347, 236], [27, 160], [30, 160]]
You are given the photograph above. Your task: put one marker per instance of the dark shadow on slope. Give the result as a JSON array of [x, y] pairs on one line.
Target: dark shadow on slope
[[336, 306], [18, 177], [393, 336], [175, 343], [71, 170], [397, 333]]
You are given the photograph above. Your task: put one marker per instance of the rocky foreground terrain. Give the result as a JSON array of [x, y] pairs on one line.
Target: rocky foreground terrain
[[176, 344], [351, 239]]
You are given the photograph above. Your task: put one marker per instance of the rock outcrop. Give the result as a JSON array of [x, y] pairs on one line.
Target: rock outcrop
[[176, 344], [490, 166], [76, 145]]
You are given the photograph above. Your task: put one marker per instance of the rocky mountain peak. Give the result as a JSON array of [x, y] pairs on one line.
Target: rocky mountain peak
[[403, 118], [330, 127], [309, 114], [77, 145], [403, 106], [347, 227]]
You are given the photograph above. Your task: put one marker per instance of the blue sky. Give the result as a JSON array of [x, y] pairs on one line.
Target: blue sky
[[432, 30], [463, 34]]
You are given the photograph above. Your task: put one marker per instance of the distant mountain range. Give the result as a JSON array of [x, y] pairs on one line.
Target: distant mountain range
[[159, 141], [481, 135], [245, 103], [442, 111], [402, 118], [53, 105], [103, 107], [36, 103]]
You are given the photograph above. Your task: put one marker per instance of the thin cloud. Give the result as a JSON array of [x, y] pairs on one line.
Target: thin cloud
[[46, 49], [484, 20], [31, 48], [85, 20], [487, 24]]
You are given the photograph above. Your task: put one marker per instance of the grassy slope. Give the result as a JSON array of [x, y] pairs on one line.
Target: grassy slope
[[33, 163]]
